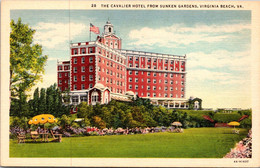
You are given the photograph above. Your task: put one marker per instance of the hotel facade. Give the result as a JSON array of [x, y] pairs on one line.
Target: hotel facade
[[101, 70]]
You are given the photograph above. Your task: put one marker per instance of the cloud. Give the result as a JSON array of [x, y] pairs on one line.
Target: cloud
[[235, 61], [181, 34], [52, 34]]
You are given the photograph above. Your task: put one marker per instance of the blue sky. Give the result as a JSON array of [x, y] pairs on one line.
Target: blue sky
[[217, 44]]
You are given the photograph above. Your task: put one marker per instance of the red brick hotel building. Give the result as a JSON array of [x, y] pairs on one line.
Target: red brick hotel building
[[101, 70]]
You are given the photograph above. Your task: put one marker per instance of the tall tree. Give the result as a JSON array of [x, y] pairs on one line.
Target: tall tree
[[26, 60]]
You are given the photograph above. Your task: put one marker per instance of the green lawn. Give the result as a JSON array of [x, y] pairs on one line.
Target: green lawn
[[193, 143]]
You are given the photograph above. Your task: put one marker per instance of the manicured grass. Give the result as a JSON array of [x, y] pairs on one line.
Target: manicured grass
[[193, 143]]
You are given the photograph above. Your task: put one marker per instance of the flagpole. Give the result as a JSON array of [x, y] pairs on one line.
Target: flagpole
[[89, 32]]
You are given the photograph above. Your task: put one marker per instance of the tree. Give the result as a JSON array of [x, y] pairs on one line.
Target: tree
[[26, 60]]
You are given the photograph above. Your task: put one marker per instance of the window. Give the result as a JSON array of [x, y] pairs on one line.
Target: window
[[182, 89], [83, 60], [90, 77], [148, 94], [107, 71], [99, 60], [148, 87], [75, 69], [154, 87], [130, 58], [94, 98], [182, 83], [82, 86], [75, 51], [176, 82], [171, 81], [91, 69], [136, 87], [60, 75], [182, 95], [111, 64], [171, 62], [91, 85], [83, 78], [165, 75], [136, 79], [60, 67], [142, 86], [107, 80], [148, 73], [75, 60], [99, 69], [176, 88], [165, 95], [154, 74], [154, 81], [82, 69], [136, 59], [75, 87], [149, 59], [130, 86], [160, 81], [90, 50], [130, 65], [90, 59], [149, 66], [154, 94], [136, 65], [171, 75], [75, 78], [155, 60], [166, 81], [171, 88], [60, 81], [154, 67], [171, 95], [165, 88], [166, 61], [148, 80], [142, 79], [166, 68], [66, 74], [160, 88], [182, 76], [136, 72], [130, 79]]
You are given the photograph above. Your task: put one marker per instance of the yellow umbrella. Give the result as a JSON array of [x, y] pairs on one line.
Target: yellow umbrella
[[234, 123], [42, 119]]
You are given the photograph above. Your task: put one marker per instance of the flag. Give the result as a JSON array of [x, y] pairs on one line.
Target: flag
[[94, 28], [73, 110], [243, 117], [208, 118]]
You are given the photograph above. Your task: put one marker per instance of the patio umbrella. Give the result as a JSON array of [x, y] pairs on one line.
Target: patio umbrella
[[234, 123], [176, 123], [42, 119]]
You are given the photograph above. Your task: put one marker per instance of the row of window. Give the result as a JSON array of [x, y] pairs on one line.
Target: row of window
[[67, 67], [83, 69], [155, 74], [111, 73], [83, 60], [154, 88], [112, 56], [130, 58], [83, 86], [65, 74], [65, 81], [155, 67], [111, 81], [154, 81], [83, 78], [159, 95], [111, 64], [82, 50]]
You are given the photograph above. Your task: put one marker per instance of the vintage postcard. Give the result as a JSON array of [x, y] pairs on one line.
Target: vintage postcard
[[130, 83]]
